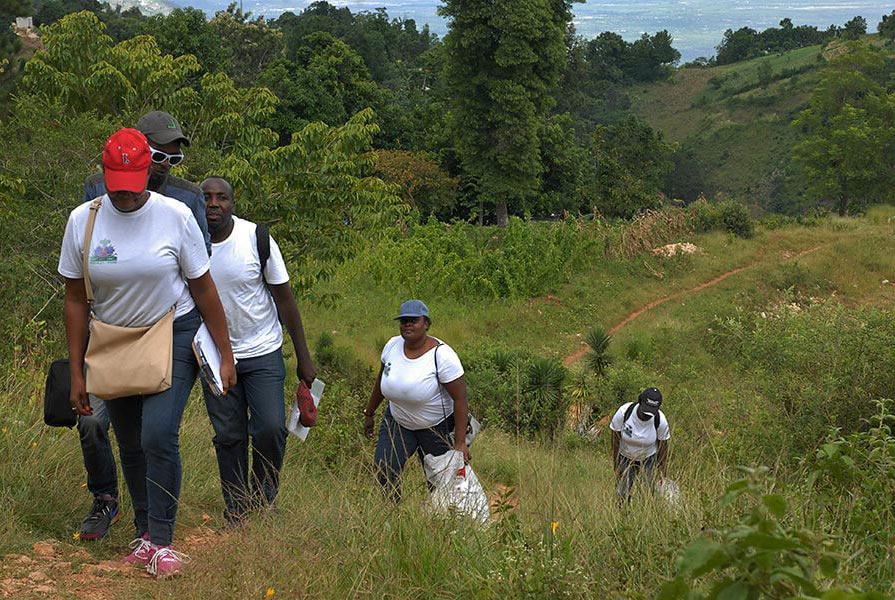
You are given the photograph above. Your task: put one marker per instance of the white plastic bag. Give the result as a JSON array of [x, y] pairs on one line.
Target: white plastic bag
[[670, 492], [455, 486], [293, 425]]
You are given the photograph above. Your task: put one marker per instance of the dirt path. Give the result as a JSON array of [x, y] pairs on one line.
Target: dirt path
[[584, 349]]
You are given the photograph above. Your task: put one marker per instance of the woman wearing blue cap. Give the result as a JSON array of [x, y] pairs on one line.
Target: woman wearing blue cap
[[427, 411]]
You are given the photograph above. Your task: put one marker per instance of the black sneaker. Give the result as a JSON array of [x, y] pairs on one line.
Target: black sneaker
[[102, 514]]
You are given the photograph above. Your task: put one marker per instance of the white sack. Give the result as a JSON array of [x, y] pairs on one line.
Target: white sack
[[456, 488]]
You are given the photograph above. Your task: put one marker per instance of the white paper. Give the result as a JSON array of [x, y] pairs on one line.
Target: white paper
[[209, 358], [294, 424]]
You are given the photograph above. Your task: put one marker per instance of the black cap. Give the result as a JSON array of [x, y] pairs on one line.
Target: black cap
[[650, 400], [161, 128]]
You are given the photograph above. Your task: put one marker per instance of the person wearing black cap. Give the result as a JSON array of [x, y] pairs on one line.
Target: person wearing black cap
[[640, 435], [422, 379], [165, 141]]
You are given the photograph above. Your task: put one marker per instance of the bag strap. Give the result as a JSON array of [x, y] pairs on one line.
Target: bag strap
[[85, 254], [262, 242]]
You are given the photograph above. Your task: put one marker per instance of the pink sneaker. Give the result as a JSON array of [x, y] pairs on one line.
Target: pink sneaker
[[165, 562], [141, 551]]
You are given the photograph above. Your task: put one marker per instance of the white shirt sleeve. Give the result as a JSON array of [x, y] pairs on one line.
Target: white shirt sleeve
[[387, 349], [618, 419], [664, 431], [449, 366], [70, 256], [275, 271], [193, 256]]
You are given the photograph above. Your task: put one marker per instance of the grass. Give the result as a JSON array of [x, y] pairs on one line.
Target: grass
[[335, 537]]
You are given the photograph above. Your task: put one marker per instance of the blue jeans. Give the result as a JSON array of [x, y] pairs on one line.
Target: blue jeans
[[630, 469], [396, 443], [256, 408], [148, 432], [97, 450]]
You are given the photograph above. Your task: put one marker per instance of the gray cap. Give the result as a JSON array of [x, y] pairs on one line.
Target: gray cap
[[413, 308], [161, 128]]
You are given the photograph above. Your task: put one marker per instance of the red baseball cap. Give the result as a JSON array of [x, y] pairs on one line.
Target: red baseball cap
[[126, 160]]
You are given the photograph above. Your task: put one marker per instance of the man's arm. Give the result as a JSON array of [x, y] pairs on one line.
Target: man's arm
[[662, 458], [289, 315], [616, 443], [198, 208]]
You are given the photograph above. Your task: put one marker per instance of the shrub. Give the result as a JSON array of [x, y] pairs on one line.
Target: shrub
[[762, 555], [598, 358], [852, 473], [726, 215]]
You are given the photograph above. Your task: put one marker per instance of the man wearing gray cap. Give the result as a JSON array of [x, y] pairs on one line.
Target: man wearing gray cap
[[166, 140]]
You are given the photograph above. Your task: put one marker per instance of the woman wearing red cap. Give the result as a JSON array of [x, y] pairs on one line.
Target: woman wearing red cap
[[146, 257]]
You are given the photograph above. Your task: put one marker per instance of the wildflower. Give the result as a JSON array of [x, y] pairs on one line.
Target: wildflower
[[553, 526], [76, 536], [34, 444], [270, 592]]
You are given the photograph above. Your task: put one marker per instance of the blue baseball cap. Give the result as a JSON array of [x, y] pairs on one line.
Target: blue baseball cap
[[413, 308]]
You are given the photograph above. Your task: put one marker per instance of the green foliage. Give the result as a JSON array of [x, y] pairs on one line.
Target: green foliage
[[84, 70], [248, 44], [852, 473], [463, 261], [821, 363], [598, 358], [726, 215], [746, 43], [760, 556], [424, 185], [517, 392], [630, 160], [846, 154], [886, 27], [854, 28], [320, 194], [503, 58]]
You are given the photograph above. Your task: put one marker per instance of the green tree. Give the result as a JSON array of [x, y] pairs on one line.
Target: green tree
[[846, 154], [886, 27], [325, 81], [629, 162], [503, 58], [187, 31], [9, 10], [855, 28], [249, 44], [423, 184]]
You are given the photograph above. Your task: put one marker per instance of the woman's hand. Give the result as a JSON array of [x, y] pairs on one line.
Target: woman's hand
[[368, 426], [307, 372], [80, 401], [228, 375], [462, 447]]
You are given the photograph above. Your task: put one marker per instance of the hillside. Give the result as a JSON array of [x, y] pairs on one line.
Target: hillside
[[738, 128], [748, 366]]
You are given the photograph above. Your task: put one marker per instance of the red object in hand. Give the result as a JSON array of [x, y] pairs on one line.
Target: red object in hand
[[308, 412]]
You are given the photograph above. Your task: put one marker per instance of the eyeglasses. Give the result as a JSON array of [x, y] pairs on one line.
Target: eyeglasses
[[159, 157]]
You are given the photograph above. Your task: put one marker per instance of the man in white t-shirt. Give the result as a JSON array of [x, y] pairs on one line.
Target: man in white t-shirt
[[640, 435], [255, 300]]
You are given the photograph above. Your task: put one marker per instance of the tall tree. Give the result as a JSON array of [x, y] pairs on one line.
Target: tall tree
[[503, 59], [846, 154]]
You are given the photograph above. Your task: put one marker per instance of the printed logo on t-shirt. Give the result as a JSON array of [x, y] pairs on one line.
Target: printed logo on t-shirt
[[104, 252], [628, 430], [386, 368]]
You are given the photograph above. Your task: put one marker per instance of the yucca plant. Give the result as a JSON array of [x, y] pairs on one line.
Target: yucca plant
[[545, 403], [598, 358]]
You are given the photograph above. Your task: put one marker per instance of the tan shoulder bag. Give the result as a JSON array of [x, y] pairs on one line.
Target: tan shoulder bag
[[125, 361]]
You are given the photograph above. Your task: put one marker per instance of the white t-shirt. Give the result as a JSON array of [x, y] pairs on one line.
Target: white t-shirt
[[138, 260], [416, 398], [249, 307], [638, 437]]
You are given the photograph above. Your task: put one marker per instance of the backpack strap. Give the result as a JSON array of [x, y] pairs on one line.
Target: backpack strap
[[262, 242]]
